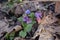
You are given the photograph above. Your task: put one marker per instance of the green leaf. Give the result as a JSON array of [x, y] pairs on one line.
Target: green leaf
[[31, 16], [28, 28], [11, 36], [24, 24], [7, 36], [10, 4], [20, 19], [22, 34], [33, 22]]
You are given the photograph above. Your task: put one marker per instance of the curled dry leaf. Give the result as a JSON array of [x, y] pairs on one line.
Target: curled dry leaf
[[17, 28]]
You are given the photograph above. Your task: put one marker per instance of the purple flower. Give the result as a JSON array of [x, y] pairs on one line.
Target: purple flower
[[27, 12], [26, 19], [38, 14]]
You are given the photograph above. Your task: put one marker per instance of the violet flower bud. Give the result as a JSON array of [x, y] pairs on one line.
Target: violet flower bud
[[27, 12]]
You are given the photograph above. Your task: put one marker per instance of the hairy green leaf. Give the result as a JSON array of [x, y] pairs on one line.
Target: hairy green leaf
[[7, 36], [11, 36], [24, 24], [31, 15], [33, 22], [28, 28], [22, 34], [20, 19]]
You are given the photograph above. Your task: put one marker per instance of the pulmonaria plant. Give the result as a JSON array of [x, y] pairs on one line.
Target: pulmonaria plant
[[27, 22], [38, 16]]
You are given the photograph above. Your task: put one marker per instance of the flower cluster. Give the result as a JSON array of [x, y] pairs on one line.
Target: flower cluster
[[38, 16]]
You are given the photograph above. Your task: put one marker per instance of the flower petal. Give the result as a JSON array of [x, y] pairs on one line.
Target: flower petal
[[29, 21], [25, 18]]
